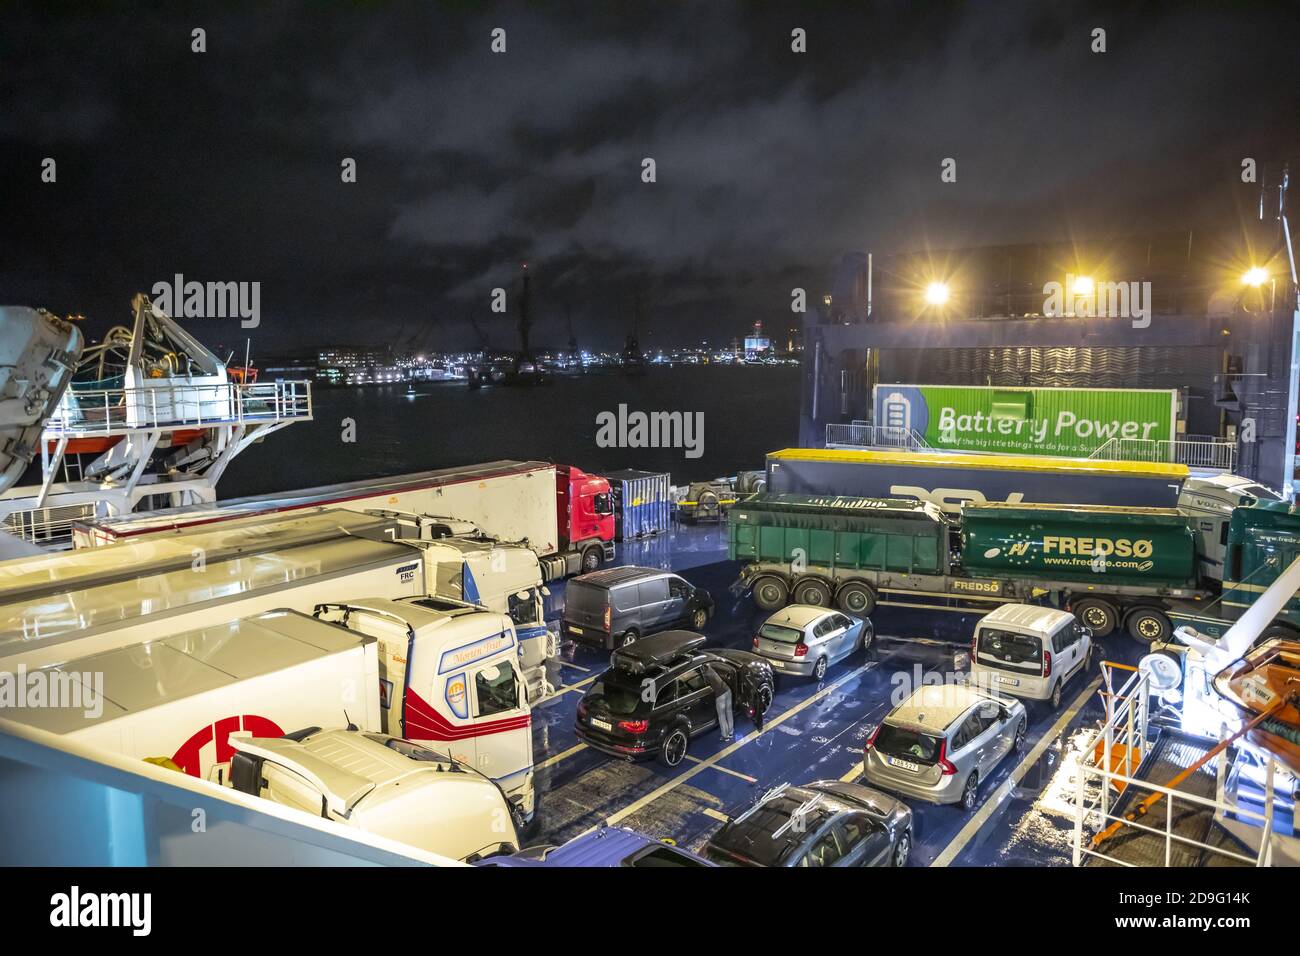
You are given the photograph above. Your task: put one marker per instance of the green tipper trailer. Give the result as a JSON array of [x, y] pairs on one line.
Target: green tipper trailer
[[1129, 567], [1128, 546]]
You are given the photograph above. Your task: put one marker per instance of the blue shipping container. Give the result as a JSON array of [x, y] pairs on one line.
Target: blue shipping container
[[642, 503]]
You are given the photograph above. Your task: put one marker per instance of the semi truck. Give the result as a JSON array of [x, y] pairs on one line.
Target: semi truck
[[562, 513], [153, 585], [1140, 569], [264, 687]]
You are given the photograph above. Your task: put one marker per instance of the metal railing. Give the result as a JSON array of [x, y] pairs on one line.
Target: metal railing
[[1105, 772], [115, 411], [1194, 451], [864, 435]]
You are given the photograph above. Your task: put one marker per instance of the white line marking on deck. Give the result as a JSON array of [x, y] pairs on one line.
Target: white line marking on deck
[[562, 690], [1003, 791], [549, 761], [734, 773], [680, 779]]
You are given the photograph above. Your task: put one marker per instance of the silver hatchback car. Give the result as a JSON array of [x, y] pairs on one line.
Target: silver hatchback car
[[942, 741], [804, 640]]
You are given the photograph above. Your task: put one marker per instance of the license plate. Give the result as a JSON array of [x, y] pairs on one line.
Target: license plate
[[575, 630], [1008, 680], [776, 663], [602, 724], [905, 765]]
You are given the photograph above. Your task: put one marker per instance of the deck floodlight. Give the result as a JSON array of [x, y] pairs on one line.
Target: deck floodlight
[[936, 293], [1083, 285], [1255, 276]]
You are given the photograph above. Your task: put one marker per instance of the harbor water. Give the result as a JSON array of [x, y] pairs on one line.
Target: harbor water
[[747, 412]]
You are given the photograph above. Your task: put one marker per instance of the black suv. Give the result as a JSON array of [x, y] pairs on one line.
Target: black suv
[[616, 606], [654, 698], [824, 823]]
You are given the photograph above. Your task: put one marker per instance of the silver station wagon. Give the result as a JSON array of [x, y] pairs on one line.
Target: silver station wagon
[[804, 640], [942, 741]]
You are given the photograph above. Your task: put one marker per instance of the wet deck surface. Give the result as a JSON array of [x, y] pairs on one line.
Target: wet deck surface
[[814, 731]]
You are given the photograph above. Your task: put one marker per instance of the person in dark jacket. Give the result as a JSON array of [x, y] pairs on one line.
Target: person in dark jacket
[[722, 700]]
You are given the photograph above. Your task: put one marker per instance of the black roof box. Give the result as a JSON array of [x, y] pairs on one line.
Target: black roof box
[[660, 650]]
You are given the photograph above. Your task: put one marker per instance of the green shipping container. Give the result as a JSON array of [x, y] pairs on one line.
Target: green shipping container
[[1149, 547], [884, 534]]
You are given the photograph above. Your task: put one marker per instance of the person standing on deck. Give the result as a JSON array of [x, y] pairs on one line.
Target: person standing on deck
[[722, 700]]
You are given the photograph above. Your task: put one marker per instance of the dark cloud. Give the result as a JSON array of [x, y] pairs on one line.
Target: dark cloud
[[770, 164]]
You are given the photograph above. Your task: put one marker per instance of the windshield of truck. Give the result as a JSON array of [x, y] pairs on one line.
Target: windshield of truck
[[907, 744], [524, 607], [414, 751], [1010, 647], [780, 634], [621, 700]]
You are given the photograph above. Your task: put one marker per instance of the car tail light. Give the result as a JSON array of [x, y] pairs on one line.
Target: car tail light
[[755, 642], [871, 740], [582, 708], [607, 617], [1047, 664], [634, 726], [945, 765], [801, 649]]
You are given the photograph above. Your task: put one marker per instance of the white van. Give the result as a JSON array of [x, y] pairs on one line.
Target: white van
[[380, 784], [1024, 650]]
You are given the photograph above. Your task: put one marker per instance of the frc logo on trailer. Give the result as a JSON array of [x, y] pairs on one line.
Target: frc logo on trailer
[[217, 736], [406, 573]]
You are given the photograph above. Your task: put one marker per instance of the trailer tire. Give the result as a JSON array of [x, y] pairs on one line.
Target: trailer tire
[[856, 598], [1148, 625], [771, 593], [592, 559], [812, 591], [1098, 616]]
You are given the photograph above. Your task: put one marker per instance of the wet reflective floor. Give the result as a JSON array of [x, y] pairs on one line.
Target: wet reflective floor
[[814, 731]]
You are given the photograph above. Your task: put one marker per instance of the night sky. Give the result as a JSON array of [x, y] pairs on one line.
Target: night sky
[[225, 165]]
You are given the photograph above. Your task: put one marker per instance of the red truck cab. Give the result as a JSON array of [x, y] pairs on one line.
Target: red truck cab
[[585, 519]]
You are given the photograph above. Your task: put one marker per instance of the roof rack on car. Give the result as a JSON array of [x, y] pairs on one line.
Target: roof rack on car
[[802, 811], [776, 791]]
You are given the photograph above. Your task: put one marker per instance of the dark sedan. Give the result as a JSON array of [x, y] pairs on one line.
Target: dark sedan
[[824, 823]]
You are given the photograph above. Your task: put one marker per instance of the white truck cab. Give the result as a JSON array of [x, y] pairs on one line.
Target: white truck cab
[[1208, 501], [1028, 651], [450, 677], [380, 784]]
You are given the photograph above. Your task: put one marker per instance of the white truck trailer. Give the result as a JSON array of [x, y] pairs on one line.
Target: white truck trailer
[[179, 698], [564, 515], [156, 585]]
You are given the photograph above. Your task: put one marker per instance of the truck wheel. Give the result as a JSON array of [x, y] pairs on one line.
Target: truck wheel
[[770, 593], [1098, 616], [856, 598], [673, 749], [1147, 625], [812, 591], [592, 559]]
